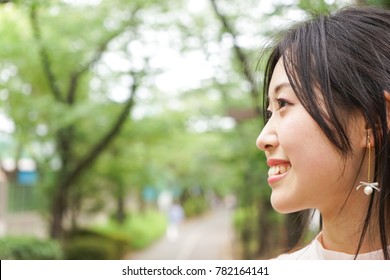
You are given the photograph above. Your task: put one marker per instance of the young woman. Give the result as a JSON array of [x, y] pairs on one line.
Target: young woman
[[326, 138]]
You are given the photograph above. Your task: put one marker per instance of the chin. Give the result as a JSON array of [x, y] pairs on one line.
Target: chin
[[284, 206]]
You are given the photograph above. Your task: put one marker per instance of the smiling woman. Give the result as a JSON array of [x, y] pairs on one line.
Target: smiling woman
[[326, 138]]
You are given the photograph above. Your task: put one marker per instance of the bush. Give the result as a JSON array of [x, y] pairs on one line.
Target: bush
[[113, 240], [145, 228], [29, 248], [194, 206], [140, 229], [244, 216], [90, 248], [92, 245]]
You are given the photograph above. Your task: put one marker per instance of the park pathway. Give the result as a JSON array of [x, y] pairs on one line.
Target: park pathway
[[209, 237]]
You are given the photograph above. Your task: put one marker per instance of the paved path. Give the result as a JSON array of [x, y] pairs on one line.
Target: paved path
[[207, 238]]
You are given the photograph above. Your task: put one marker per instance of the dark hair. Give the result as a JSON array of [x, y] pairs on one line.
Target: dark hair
[[346, 56]]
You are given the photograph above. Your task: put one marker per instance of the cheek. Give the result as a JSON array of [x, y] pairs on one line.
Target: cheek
[[308, 149], [300, 133]]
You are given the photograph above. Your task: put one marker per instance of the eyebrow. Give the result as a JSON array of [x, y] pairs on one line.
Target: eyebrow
[[280, 86]]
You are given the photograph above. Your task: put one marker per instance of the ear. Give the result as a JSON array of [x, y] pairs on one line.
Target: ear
[[387, 99]]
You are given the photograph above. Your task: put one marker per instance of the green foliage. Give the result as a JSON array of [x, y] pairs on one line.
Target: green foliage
[[90, 248], [194, 206], [146, 228], [91, 245], [29, 248], [379, 3], [317, 6], [243, 216], [245, 221], [114, 240], [51, 52], [140, 230], [254, 227]]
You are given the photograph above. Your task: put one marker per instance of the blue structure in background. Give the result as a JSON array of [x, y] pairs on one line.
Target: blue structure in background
[[27, 178], [149, 194]]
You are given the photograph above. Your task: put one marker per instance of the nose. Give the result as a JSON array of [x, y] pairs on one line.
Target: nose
[[268, 139]]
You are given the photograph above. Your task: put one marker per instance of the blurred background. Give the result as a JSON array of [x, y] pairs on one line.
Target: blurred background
[[128, 128]]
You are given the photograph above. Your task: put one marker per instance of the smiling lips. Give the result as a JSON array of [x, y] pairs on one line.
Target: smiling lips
[[278, 168]]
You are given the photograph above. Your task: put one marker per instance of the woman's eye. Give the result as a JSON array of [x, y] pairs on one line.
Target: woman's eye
[[282, 103], [268, 115]]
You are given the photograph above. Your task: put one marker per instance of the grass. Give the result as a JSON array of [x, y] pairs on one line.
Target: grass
[[139, 229]]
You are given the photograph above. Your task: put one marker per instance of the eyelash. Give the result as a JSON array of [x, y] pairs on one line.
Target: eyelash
[[280, 101], [281, 104]]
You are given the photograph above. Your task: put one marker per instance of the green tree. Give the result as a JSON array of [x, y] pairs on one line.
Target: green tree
[[379, 3], [57, 56]]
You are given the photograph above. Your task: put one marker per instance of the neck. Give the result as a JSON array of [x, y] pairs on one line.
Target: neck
[[342, 229]]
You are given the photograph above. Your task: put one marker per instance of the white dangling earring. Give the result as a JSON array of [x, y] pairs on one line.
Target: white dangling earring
[[368, 186]]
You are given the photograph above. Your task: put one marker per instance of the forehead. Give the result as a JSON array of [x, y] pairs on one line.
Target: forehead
[[279, 79]]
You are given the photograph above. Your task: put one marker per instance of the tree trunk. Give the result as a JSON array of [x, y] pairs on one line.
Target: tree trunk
[[268, 232], [245, 242], [58, 211], [120, 214]]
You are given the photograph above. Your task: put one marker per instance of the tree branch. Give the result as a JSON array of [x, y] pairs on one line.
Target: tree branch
[[44, 56], [105, 140], [74, 79], [242, 57]]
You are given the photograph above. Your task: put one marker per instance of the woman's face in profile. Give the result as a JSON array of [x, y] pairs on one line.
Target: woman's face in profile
[[305, 169]]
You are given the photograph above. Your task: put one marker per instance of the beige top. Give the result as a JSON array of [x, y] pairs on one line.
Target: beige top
[[315, 251]]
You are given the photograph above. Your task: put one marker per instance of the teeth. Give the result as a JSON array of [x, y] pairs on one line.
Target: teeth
[[278, 169], [273, 170]]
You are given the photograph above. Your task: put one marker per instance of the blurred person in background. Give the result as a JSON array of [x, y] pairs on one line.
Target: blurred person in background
[[175, 217]]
